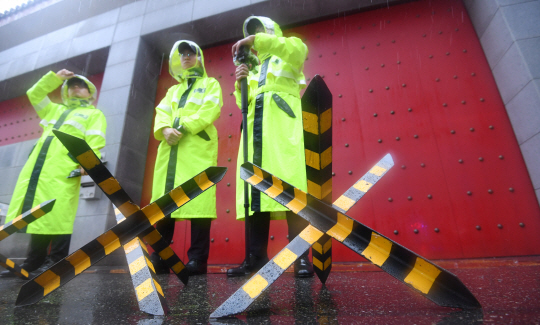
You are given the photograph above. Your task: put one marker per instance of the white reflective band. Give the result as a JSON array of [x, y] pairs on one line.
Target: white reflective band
[[76, 125], [200, 101], [95, 132], [289, 67], [288, 74], [45, 123], [41, 105], [164, 107], [283, 73], [213, 99], [176, 100]]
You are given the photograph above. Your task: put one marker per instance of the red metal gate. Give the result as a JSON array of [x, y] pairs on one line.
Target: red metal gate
[[411, 80]]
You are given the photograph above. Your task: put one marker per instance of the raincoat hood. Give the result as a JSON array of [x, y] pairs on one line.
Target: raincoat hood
[[78, 101], [175, 62], [270, 26]]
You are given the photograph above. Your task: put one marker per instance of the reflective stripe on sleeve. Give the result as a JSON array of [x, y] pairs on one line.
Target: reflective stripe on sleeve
[[95, 132], [45, 123], [41, 105], [288, 74], [164, 107]]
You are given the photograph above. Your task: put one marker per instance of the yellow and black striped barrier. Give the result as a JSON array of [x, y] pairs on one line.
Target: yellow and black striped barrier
[[317, 121], [116, 193], [148, 291], [111, 187], [426, 278], [245, 296], [13, 268], [18, 223], [137, 220], [26, 218], [164, 250]]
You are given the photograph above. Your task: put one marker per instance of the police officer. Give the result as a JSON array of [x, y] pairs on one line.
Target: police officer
[[189, 143], [45, 174], [275, 133]]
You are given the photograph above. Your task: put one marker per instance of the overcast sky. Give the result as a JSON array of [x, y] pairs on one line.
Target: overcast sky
[[5, 5]]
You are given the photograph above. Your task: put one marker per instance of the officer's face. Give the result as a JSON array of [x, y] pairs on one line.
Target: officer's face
[[259, 29], [189, 59], [77, 90]]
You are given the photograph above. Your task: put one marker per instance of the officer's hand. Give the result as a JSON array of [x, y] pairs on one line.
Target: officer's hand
[[172, 136], [83, 172], [242, 71], [65, 74], [247, 42]]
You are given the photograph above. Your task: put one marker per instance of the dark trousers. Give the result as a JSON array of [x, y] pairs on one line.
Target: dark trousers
[[39, 247], [200, 236], [260, 226]]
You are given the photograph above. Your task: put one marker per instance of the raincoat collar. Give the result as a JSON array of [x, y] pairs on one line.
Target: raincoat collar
[[77, 102], [175, 63]]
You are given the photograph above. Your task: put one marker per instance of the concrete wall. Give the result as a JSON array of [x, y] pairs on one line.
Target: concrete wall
[[509, 31], [127, 40]]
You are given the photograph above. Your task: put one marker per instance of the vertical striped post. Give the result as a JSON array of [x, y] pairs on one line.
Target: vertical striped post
[[317, 118], [148, 291]]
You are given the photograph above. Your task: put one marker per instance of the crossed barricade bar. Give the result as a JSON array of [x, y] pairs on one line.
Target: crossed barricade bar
[[137, 220], [424, 277], [18, 223]]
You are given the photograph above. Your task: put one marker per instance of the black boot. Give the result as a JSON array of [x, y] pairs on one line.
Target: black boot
[[44, 267], [159, 265], [239, 271], [254, 265], [302, 267], [7, 274], [196, 267]]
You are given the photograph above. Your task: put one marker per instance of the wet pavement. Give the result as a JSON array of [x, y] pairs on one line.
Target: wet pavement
[[507, 288]]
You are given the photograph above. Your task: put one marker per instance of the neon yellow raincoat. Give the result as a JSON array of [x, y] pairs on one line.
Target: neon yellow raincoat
[[192, 112], [44, 176], [275, 131]]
